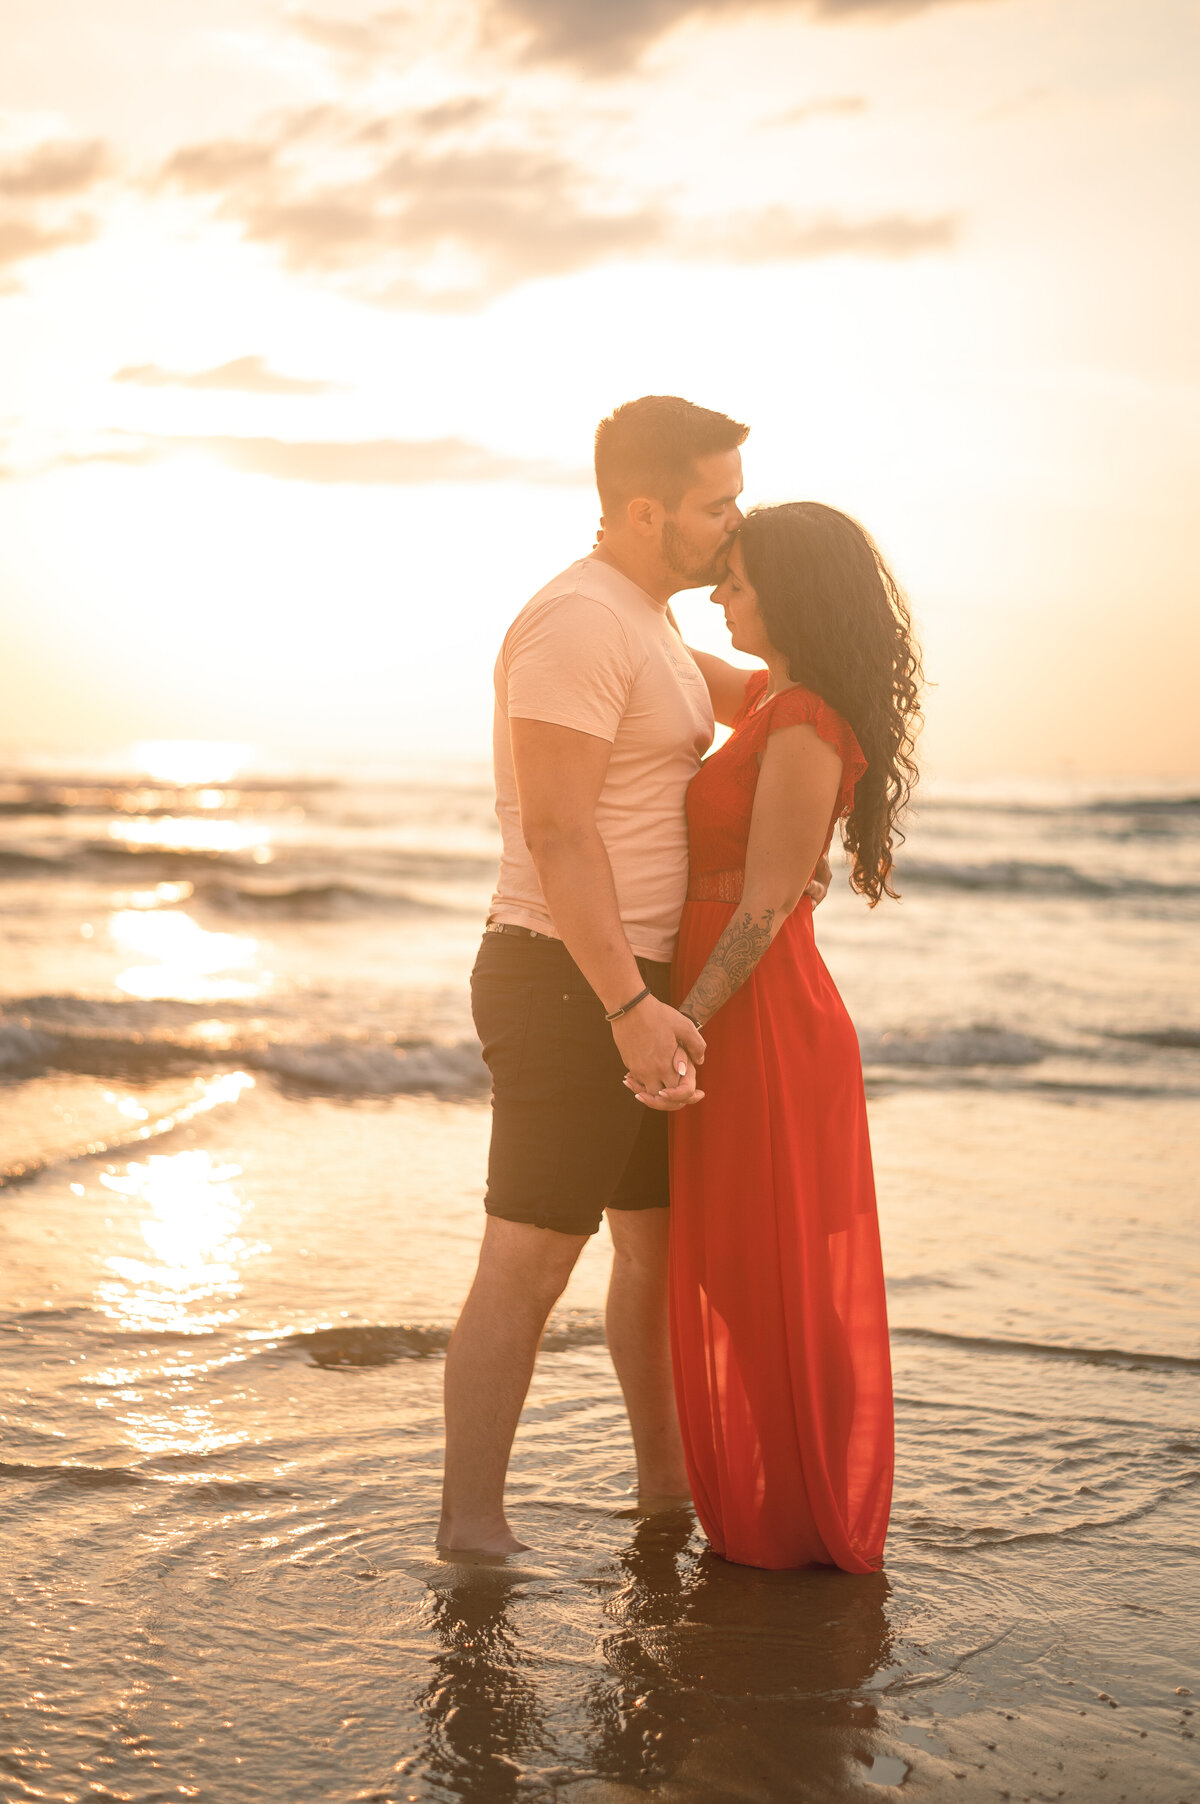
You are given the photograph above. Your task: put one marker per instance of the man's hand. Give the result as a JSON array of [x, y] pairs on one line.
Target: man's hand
[[661, 1049], [818, 883]]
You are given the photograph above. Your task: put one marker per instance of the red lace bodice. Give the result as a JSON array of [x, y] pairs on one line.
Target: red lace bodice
[[720, 797]]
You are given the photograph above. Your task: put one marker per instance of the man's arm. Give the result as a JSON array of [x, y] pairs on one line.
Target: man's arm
[[560, 773]]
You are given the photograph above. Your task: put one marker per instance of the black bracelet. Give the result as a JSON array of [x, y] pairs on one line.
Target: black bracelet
[[618, 1012]]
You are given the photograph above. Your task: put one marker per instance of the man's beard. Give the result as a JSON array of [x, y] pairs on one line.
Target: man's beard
[[684, 560]]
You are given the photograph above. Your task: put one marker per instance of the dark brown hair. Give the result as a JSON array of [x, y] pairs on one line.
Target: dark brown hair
[[649, 447], [831, 605]]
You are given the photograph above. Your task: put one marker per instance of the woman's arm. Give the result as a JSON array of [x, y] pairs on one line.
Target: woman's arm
[[726, 683], [796, 795]]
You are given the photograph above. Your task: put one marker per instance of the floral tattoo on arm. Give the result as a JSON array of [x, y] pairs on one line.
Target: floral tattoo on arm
[[729, 964]]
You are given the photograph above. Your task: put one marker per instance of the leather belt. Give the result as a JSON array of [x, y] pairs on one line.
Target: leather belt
[[526, 933]]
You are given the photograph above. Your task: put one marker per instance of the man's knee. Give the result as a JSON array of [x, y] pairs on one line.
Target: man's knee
[[531, 1264], [640, 1237]]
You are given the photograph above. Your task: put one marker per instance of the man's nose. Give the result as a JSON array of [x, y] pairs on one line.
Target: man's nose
[[736, 516]]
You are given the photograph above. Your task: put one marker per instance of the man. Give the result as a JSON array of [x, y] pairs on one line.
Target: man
[[602, 718]]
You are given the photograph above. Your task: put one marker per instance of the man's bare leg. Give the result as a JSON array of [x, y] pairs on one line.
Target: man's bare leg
[[521, 1275], [638, 1339]]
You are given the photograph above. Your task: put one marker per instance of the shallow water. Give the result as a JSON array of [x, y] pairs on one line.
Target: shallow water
[[244, 1164]]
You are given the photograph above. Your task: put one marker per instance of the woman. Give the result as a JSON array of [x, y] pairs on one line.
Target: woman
[[778, 1322]]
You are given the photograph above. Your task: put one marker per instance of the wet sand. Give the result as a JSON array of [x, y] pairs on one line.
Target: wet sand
[[217, 1521]]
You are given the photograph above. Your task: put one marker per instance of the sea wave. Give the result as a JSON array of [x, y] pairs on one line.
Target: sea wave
[[354, 1344], [308, 867], [1146, 804], [1018, 876], [16, 863], [980, 1044], [84, 1478], [224, 1492], [138, 1041], [354, 1069], [372, 1344], [1128, 1358], [1170, 1039], [1181, 806], [320, 900]]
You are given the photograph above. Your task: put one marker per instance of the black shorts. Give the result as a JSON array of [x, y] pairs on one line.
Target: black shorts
[[568, 1139]]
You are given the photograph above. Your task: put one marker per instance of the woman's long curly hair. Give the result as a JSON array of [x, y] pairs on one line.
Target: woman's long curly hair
[[831, 605]]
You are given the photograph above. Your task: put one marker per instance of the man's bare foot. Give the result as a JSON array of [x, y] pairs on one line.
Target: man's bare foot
[[474, 1556], [460, 1543]]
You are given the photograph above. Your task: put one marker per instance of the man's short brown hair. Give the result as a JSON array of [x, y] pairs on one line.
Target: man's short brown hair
[[650, 447]]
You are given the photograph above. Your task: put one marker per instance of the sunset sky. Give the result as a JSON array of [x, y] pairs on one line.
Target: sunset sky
[[308, 313]]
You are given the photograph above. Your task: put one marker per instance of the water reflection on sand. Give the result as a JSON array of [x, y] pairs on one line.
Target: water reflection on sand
[[712, 1679]]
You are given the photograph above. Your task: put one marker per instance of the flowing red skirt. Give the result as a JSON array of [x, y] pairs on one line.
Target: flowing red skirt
[[778, 1317]]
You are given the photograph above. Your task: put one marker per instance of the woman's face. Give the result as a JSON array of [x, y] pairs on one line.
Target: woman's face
[[740, 603]]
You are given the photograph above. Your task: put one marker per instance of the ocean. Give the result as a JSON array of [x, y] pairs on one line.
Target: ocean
[[243, 1129]]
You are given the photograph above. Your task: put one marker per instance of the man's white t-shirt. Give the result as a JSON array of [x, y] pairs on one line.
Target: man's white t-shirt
[[594, 652]]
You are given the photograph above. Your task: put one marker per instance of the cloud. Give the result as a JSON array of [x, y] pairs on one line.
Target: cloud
[[33, 188], [397, 462], [835, 106], [776, 235], [223, 163], [22, 239], [456, 219], [54, 170], [357, 40], [604, 36], [515, 213], [249, 375]]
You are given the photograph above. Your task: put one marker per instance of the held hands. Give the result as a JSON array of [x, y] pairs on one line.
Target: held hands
[[661, 1049]]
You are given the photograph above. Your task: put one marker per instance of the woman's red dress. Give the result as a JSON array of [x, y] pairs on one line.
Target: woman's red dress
[[778, 1318]]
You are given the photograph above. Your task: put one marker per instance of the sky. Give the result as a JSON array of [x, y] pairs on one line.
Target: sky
[[308, 313]]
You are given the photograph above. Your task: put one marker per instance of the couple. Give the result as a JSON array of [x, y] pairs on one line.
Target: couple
[[652, 930]]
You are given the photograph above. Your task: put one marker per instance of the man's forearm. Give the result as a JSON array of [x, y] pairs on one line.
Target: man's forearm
[[577, 882]]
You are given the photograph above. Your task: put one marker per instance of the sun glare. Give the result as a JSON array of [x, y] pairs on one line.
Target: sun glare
[[188, 761], [191, 963], [190, 835]]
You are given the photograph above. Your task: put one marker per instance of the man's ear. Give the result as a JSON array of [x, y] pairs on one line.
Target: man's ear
[[645, 516]]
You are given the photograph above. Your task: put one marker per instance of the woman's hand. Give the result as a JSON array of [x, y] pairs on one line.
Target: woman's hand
[[669, 1101]]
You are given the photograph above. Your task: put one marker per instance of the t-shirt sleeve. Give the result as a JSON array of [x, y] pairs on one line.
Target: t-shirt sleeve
[[571, 664]]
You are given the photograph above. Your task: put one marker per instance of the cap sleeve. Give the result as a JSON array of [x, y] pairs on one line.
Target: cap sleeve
[[801, 707]]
